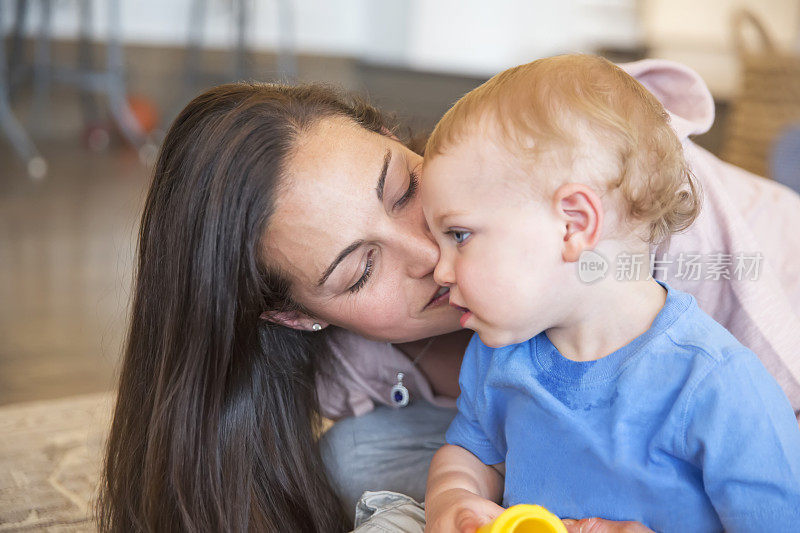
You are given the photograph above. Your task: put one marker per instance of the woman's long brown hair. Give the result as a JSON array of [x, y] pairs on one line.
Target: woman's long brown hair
[[217, 414]]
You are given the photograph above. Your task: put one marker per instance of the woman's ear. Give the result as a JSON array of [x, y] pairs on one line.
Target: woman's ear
[[581, 212], [293, 319]]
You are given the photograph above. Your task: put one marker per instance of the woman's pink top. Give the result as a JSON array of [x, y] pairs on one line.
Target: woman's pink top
[[746, 242]]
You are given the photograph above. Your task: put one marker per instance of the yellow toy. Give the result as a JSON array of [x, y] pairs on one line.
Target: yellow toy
[[525, 519]]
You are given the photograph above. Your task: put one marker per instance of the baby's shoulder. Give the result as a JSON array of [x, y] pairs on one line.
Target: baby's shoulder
[[702, 337]]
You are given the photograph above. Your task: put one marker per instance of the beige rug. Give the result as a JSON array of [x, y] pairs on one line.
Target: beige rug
[[50, 457]]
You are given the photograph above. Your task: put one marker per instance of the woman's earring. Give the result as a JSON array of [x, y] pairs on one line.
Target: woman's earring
[[316, 327]]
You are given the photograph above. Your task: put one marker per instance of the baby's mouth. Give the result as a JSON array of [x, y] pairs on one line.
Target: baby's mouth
[[466, 315], [462, 309]]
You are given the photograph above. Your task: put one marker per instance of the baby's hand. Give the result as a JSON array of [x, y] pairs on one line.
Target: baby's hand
[[459, 511], [597, 525]]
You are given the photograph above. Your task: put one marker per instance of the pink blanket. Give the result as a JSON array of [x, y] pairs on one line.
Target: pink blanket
[[746, 221], [741, 260]]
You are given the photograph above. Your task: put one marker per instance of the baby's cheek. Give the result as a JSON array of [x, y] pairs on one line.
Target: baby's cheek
[[469, 277], [482, 284], [505, 274]]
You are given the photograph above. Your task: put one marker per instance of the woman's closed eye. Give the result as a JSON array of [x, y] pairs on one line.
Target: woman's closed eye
[[408, 195], [365, 276], [413, 185], [459, 236]]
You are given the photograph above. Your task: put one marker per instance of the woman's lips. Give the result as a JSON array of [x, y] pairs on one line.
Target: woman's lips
[[438, 298]]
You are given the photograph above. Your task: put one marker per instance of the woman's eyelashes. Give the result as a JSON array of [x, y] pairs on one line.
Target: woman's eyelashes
[[365, 276], [459, 236], [413, 185]]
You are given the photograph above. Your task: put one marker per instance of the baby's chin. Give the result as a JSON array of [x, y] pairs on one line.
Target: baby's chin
[[495, 337]]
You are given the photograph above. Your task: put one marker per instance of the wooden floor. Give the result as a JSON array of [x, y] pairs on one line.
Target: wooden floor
[[66, 243], [65, 268]]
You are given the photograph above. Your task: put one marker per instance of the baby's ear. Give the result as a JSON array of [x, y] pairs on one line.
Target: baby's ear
[[581, 212], [292, 319]]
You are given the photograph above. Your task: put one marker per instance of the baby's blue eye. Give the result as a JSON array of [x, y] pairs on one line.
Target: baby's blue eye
[[459, 236]]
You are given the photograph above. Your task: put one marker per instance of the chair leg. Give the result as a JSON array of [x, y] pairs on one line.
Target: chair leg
[[287, 49], [15, 58], [89, 106], [117, 96], [13, 130], [194, 49], [43, 68], [240, 64]]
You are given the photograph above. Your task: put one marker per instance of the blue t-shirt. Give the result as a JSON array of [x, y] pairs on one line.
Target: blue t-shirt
[[683, 429]]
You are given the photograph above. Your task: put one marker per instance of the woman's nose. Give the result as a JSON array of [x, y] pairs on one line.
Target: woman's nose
[[421, 250], [443, 273], [423, 254]]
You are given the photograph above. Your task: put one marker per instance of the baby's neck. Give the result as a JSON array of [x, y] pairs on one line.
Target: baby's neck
[[606, 317]]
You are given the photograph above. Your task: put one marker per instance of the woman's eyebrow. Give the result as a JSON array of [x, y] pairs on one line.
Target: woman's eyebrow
[[387, 158], [339, 258]]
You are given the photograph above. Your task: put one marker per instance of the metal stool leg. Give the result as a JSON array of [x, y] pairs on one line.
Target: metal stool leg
[[117, 96], [43, 68], [37, 167], [287, 57], [241, 70], [14, 59], [197, 21], [86, 61]]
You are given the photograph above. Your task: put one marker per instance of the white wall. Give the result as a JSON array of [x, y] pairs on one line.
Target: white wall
[[485, 37], [478, 37], [329, 27], [466, 36]]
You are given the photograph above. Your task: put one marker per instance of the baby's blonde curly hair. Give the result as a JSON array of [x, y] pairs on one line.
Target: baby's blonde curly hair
[[615, 130]]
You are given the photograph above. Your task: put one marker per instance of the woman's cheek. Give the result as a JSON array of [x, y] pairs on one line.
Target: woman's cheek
[[373, 321], [382, 310]]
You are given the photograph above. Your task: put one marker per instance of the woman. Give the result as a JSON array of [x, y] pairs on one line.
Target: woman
[[281, 246]]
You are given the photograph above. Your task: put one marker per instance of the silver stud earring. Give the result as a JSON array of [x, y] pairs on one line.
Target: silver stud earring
[[316, 327]]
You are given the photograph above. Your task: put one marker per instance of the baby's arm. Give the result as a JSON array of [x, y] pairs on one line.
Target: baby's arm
[[742, 432], [462, 492]]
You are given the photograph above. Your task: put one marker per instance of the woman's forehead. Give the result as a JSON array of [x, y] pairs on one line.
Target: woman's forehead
[[334, 166], [336, 150], [327, 199]]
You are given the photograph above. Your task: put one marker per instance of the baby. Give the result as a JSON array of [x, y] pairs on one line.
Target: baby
[[587, 392]]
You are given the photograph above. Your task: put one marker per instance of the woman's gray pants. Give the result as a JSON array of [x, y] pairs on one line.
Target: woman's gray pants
[[385, 449]]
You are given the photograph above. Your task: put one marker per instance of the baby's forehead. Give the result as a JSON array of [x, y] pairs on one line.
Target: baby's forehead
[[478, 171]]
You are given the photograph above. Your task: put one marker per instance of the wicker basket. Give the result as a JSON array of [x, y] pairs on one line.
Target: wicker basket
[[769, 98]]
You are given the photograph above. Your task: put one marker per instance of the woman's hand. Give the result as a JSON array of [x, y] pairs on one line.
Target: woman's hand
[[598, 525], [459, 511]]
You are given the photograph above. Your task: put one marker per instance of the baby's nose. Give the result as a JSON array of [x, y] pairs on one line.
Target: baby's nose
[[443, 273]]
